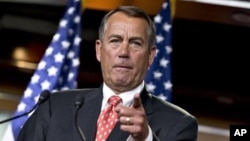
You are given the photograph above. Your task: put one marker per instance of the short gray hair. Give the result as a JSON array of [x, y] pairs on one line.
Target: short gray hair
[[132, 11]]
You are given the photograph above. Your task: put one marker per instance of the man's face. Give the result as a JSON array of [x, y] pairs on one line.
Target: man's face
[[124, 52]]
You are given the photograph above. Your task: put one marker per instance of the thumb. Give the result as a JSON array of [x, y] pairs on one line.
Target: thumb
[[137, 101]]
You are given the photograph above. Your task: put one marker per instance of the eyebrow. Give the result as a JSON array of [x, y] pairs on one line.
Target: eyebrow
[[131, 38], [114, 36]]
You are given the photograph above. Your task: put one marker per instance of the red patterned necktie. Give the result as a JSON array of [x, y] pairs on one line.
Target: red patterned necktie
[[107, 119]]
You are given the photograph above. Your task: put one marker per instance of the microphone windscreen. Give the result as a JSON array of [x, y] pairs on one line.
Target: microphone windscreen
[[44, 96]]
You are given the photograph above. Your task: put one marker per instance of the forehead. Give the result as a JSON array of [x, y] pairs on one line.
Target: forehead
[[121, 21]]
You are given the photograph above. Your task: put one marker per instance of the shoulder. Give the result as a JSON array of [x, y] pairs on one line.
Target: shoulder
[[169, 121], [71, 91], [69, 96], [168, 109]]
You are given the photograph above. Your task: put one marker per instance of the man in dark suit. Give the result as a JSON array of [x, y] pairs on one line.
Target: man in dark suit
[[125, 49]]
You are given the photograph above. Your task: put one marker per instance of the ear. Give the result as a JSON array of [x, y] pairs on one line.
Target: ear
[[98, 49], [152, 54]]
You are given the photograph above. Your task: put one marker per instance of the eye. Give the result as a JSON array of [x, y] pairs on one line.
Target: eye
[[114, 41], [136, 43]]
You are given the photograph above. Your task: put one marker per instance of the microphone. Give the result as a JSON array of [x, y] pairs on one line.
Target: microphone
[[78, 104], [43, 97]]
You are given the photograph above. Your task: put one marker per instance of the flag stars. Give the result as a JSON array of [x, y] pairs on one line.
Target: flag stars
[[164, 62], [35, 78], [21, 107], [70, 76], [151, 87], [157, 52], [77, 40], [165, 4], [162, 96], [76, 62], [77, 19], [54, 90], [167, 27], [65, 88], [168, 85], [71, 54], [56, 37], [158, 18], [71, 10], [45, 85], [157, 74], [159, 38], [41, 65], [168, 49], [49, 51], [63, 23], [28, 93], [52, 71], [59, 57], [65, 44]]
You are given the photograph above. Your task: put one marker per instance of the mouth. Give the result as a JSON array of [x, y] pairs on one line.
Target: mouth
[[123, 67]]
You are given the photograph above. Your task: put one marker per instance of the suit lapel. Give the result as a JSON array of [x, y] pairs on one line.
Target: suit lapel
[[89, 113], [146, 102], [117, 134]]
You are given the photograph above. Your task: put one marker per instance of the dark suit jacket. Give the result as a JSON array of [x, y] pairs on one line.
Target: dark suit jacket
[[54, 119]]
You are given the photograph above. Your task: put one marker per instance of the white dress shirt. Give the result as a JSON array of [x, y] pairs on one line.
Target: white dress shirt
[[127, 99]]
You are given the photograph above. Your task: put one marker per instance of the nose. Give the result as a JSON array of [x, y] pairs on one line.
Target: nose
[[124, 50]]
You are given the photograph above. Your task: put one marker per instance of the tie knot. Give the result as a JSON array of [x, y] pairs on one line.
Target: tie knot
[[114, 100]]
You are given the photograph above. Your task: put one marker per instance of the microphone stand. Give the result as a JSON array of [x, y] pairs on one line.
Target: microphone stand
[[78, 104], [18, 116], [43, 96]]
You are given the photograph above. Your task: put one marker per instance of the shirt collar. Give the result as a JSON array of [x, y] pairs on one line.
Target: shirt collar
[[127, 97]]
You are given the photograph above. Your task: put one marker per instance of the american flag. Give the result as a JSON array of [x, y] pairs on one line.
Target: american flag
[[158, 79], [58, 68]]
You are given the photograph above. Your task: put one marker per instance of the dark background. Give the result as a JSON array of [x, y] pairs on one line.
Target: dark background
[[210, 57]]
